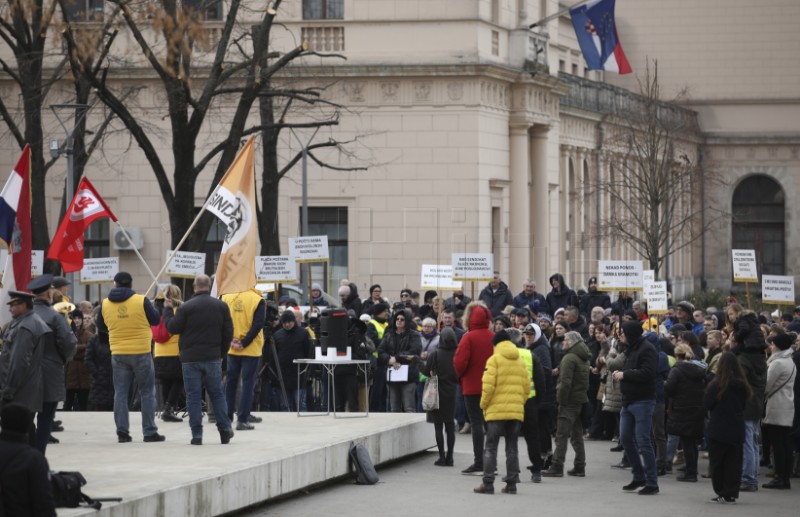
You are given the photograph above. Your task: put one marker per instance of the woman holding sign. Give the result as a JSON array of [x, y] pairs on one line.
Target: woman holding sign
[[400, 350]]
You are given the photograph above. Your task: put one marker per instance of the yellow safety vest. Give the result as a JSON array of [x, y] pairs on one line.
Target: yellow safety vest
[[243, 306], [527, 358], [128, 329], [168, 349], [380, 328]]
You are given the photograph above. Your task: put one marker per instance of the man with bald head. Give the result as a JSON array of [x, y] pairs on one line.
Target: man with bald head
[[206, 333]]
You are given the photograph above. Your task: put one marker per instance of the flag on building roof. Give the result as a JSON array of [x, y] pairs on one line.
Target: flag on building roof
[[15, 228], [234, 202], [86, 207], [597, 35]]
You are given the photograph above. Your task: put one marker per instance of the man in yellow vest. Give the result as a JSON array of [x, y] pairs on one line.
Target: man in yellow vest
[[127, 318], [249, 313]]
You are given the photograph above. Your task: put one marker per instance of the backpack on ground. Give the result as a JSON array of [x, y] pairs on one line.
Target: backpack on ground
[[67, 490], [361, 463]]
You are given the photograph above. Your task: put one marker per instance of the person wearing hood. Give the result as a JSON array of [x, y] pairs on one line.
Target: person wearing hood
[[496, 295], [537, 343], [318, 296], [401, 345], [530, 299], [593, 298], [348, 294], [561, 295], [638, 386], [780, 409], [505, 387], [474, 349], [292, 341], [685, 389], [439, 362], [127, 317], [571, 394]]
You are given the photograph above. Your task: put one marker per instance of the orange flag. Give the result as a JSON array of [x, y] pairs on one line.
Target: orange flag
[[234, 202]]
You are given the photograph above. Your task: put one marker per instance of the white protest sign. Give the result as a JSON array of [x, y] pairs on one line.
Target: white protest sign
[[438, 277], [309, 249], [777, 289], [744, 266], [473, 266], [619, 275], [657, 298], [186, 264], [99, 270], [277, 268], [648, 276], [37, 263]]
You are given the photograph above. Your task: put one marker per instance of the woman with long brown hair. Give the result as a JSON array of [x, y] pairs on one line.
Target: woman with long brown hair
[[725, 399]]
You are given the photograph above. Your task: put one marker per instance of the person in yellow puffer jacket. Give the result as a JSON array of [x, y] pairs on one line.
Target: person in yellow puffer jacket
[[505, 388]]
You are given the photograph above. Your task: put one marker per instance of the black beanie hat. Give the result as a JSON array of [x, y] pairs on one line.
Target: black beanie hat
[[287, 316], [781, 341], [15, 418], [633, 330], [500, 337]]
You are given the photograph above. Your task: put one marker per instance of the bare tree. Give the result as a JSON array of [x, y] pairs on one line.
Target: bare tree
[[655, 197]]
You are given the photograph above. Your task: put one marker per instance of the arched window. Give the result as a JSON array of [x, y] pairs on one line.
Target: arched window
[[758, 222]]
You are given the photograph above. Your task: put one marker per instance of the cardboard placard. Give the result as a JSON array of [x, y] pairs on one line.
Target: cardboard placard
[[473, 267], [276, 268], [619, 275], [309, 249], [657, 298], [439, 277], [99, 270], [744, 266], [777, 289], [186, 264]]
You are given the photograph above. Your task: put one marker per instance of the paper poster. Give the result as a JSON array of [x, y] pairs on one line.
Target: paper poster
[[277, 268], [619, 275], [777, 289], [473, 266], [99, 270], [439, 277], [186, 264], [309, 249], [657, 298], [744, 266]]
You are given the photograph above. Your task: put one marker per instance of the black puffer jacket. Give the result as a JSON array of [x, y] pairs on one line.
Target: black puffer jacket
[[496, 300], [685, 389], [545, 393], [747, 332], [754, 365], [399, 346], [205, 327], [98, 361], [639, 372], [292, 344], [25, 480], [561, 298]]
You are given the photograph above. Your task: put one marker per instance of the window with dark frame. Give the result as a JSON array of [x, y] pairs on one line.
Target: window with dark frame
[[323, 9], [759, 222], [210, 9], [330, 221], [83, 10], [212, 246]]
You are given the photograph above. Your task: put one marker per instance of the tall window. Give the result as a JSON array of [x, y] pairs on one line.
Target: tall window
[[758, 222], [212, 246], [83, 10], [330, 221], [323, 10], [209, 9], [96, 244]]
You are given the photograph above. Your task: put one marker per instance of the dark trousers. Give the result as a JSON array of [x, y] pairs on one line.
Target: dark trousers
[[530, 431], [780, 438], [509, 429], [377, 395], [569, 428], [44, 424], [689, 444], [461, 410], [546, 428], [346, 392], [450, 429], [473, 405], [77, 400], [171, 392], [725, 464]]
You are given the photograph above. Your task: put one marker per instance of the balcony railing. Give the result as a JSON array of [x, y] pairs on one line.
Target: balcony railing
[[324, 38]]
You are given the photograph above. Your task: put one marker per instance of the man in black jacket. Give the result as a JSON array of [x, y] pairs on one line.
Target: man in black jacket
[[496, 295], [206, 332], [292, 341], [593, 298], [638, 385]]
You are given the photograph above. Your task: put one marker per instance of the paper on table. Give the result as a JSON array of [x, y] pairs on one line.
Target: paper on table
[[399, 375]]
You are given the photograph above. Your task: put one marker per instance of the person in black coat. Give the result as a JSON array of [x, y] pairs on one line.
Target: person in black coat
[[292, 341], [593, 298], [24, 473], [685, 388], [725, 400], [98, 361], [402, 346], [347, 375], [561, 296], [496, 295], [440, 363]]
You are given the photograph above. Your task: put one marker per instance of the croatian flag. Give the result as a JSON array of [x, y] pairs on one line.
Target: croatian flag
[[15, 228], [597, 36]]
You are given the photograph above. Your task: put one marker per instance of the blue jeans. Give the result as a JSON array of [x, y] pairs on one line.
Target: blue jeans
[[247, 367], [635, 428], [127, 368], [195, 375], [750, 453]]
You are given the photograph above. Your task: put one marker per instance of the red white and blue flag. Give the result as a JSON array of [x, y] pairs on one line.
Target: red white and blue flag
[[597, 35], [15, 227]]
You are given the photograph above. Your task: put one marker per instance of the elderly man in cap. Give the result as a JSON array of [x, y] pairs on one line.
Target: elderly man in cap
[[127, 318], [61, 284], [21, 357], [55, 357]]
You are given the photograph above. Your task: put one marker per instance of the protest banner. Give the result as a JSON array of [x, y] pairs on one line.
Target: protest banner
[[657, 302], [186, 264], [777, 289], [619, 275], [439, 277], [309, 249], [473, 267], [99, 270], [276, 268], [744, 266]]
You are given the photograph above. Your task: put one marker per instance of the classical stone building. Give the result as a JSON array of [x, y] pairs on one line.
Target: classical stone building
[[483, 136]]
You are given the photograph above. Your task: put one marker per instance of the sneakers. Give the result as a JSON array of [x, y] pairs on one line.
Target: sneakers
[[723, 500], [244, 426], [748, 488], [197, 441], [536, 476], [778, 484], [553, 472], [648, 490], [510, 488], [123, 437], [155, 437], [633, 485], [576, 472], [484, 489], [252, 419], [618, 448], [472, 469], [441, 462], [225, 436], [169, 416], [687, 478], [466, 429]]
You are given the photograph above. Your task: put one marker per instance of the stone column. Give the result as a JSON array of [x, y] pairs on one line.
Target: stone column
[[540, 207], [520, 235]]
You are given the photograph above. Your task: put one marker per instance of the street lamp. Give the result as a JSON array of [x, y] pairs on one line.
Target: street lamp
[[79, 111]]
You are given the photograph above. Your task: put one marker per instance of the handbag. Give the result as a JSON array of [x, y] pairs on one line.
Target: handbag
[[430, 394]]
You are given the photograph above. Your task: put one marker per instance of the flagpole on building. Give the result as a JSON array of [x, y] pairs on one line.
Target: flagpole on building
[[135, 250], [562, 12]]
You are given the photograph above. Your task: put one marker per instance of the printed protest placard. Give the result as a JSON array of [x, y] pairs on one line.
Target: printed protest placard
[[619, 275], [99, 270], [309, 249], [439, 277], [473, 266], [277, 268], [186, 264], [777, 289], [657, 298], [37, 263], [744, 266]]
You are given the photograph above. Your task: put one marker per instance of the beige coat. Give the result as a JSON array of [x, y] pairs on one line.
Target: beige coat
[[780, 389]]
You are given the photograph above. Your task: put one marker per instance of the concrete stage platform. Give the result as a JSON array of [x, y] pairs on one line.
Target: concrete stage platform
[[284, 454]]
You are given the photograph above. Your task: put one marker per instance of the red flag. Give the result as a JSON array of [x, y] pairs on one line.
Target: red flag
[[86, 207], [15, 224]]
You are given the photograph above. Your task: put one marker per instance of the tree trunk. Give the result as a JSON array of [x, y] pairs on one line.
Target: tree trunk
[[269, 232]]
